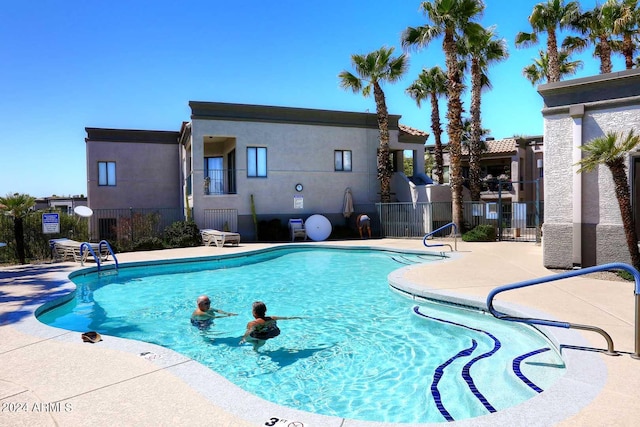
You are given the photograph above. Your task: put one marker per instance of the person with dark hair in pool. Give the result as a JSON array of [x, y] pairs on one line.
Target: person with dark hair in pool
[[364, 222], [202, 317], [263, 327]]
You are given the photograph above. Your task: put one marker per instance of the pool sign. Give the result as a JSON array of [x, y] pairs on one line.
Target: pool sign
[[50, 223]]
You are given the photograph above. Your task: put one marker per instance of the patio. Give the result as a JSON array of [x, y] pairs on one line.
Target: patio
[[50, 377]]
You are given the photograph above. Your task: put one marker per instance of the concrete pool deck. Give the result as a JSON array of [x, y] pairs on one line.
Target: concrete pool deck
[[49, 377]]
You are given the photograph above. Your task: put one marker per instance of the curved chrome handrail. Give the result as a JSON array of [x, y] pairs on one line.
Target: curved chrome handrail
[[566, 275], [87, 245], [455, 237], [113, 255]]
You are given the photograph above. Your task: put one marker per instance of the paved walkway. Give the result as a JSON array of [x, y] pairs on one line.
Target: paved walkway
[[49, 377]]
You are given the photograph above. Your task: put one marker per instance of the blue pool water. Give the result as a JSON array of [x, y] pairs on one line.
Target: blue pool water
[[361, 352]]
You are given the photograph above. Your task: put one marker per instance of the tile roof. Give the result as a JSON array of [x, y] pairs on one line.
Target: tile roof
[[507, 145], [412, 131], [496, 146]]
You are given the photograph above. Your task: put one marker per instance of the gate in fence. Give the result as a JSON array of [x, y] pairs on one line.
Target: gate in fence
[[517, 221]]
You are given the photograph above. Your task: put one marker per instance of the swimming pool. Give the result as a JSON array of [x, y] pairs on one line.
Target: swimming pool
[[362, 353]]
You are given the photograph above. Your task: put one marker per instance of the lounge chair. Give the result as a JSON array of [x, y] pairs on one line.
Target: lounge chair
[[67, 249], [296, 226], [219, 238]]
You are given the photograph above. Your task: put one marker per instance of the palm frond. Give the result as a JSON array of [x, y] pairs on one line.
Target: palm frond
[[419, 37], [350, 81], [607, 149], [525, 40]]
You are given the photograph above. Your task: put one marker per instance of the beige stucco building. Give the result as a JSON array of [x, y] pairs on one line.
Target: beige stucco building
[[583, 225], [518, 160], [292, 162]]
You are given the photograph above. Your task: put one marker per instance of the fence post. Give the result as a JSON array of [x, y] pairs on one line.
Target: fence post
[[500, 213], [537, 222]]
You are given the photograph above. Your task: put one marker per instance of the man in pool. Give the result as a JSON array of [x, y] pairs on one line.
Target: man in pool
[[202, 317], [263, 328]]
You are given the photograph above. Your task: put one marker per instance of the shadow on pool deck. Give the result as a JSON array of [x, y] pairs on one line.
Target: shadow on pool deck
[[49, 376]]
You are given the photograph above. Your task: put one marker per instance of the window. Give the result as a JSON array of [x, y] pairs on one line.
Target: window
[[342, 159], [256, 161], [213, 175], [107, 173]]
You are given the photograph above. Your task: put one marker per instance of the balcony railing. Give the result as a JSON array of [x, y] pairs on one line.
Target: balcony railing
[[220, 181]]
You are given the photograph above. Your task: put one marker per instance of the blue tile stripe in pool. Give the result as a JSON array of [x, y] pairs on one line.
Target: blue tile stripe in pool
[[466, 370], [411, 259], [516, 368], [467, 375], [402, 260], [438, 375]]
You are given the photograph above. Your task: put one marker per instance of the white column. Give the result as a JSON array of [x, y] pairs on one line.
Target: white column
[[577, 112]]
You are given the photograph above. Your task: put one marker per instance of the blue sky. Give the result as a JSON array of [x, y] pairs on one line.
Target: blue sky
[[136, 65]]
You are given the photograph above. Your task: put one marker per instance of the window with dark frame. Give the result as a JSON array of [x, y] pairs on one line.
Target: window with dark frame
[[107, 174], [342, 160], [256, 162]]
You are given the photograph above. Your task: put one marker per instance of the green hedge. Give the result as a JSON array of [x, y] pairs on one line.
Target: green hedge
[[481, 233]]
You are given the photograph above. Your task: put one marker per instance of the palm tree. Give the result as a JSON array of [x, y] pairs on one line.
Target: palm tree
[[372, 70], [450, 19], [611, 150], [432, 83], [597, 26], [538, 72], [467, 135], [627, 26], [547, 17], [18, 206], [483, 49]]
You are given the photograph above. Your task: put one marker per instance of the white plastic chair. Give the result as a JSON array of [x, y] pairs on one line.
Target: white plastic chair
[[296, 226]]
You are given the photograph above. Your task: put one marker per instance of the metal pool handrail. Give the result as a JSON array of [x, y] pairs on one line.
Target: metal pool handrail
[[87, 245], [455, 237], [604, 267]]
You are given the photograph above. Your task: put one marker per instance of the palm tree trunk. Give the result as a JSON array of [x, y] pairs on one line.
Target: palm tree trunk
[[437, 134], [474, 146], [385, 168], [18, 231], [605, 56], [552, 54], [618, 172], [627, 50], [454, 127]]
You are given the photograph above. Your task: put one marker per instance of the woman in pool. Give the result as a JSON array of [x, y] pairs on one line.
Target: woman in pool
[[263, 327], [202, 317]]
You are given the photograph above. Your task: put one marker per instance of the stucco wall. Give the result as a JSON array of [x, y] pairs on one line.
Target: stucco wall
[[147, 175], [296, 153], [558, 186], [607, 108]]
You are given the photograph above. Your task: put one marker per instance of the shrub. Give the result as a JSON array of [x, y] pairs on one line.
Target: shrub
[[481, 233], [148, 244], [182, 234]]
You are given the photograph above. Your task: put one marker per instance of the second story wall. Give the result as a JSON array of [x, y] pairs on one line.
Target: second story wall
[[132, 168], [301, 147]]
